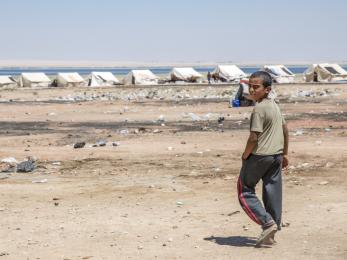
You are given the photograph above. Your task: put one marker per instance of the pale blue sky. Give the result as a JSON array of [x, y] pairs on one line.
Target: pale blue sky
[[174, 31]]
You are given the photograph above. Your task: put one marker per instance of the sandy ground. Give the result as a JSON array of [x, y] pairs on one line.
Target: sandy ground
[[168, 190]]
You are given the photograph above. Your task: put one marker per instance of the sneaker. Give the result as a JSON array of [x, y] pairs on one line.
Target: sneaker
[[266, 234]]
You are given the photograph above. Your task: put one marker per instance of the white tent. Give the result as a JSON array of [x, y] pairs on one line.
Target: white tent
[[70, 80], [6, 81], [228, 73], [280, 73], [98, 79], [185, 74], [140, 77], [325, 72], [36, 79]]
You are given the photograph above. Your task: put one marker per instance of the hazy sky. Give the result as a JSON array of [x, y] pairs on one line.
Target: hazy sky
[[174, 30]]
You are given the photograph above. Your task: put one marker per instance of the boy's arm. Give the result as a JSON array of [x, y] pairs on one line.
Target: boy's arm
[[251, 143], [286, 144]]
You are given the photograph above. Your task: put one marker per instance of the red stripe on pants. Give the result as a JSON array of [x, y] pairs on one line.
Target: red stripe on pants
[[244, 203]]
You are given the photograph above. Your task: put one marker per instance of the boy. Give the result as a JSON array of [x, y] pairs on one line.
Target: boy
[[263, 158]]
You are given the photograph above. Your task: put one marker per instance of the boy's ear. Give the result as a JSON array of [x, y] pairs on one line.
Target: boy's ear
[[268, 89]]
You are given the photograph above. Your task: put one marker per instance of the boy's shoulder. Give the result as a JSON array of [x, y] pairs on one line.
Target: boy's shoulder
[[264, 105]]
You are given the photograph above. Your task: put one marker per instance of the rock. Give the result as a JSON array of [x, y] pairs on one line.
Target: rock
[[115, 143], [183, 142], [323, 183], [285, 224], [79, 145]]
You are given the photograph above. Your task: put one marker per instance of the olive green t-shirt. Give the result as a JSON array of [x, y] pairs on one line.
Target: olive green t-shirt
[[267, 119]]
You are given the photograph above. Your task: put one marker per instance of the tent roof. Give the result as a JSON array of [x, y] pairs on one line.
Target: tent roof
[[6, 80], [35, 77], [187, 72], [107, 76], [332, 68], [230, 70], [279, 70], [71, 77], [143, 73]]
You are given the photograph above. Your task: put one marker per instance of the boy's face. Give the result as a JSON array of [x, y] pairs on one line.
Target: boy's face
[[257, 90]]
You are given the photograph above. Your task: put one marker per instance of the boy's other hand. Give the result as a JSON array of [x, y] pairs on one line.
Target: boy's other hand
[[285, 161]]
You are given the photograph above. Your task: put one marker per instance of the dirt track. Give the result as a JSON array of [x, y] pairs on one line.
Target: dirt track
[[168, 190]]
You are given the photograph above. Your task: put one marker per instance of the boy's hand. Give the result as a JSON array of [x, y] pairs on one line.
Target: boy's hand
[[285, 161], [244, 156]]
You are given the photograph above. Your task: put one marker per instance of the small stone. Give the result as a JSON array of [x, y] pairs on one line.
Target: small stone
[[285, 224], [79, 145], [323, 183]]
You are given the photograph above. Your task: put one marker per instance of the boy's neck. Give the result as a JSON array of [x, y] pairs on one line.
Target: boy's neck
[[263, 98]]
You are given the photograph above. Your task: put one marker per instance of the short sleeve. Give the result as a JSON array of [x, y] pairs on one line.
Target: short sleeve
[[257, 122]]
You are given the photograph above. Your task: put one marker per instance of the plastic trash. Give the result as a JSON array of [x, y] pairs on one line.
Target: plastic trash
[[235, 103]]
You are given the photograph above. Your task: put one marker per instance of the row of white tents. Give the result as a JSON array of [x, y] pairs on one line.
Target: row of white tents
[[324, 72]]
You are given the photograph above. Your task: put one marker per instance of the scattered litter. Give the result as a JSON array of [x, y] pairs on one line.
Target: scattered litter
[[323, 183], [10, 160], [161, 119], [115, 143], [192, 116], [124, 132], [100, 143], [26, 166], [298, 132], [40, 181], [79, 145], [234, 213], [179, 203], [170, 148], [56, 163], [329, 164], [319, 142]]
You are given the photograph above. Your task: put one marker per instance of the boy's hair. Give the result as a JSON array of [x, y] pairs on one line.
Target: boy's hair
[[265, 76]]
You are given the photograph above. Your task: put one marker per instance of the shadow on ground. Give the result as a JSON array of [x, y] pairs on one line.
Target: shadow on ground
[[237, 241]]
